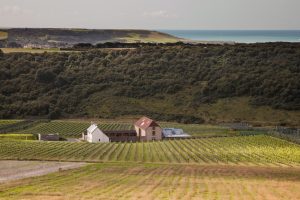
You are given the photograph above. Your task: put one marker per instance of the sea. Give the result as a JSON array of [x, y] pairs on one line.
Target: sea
[[238, 36]]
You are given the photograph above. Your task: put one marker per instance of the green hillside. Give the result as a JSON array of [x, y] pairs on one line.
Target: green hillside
[[49, 37], [190, 84]]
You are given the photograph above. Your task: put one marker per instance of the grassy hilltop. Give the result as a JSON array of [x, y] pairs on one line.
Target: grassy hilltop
[[50, 37]]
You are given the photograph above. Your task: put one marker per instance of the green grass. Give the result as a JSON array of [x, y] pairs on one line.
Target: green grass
[[14, 136], [29, 50], [254, 150], [154, 181], [152, 37], [3, 35], [223, 110]]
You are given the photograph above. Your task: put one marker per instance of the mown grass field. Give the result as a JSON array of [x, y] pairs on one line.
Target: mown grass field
[[241, 150], [156, 181]]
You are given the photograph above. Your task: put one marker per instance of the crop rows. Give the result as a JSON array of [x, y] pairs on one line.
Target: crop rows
[[145, 181], [71, 129], [74, 129], [201, 129], [4, 123], [256, 150], [17, 137]]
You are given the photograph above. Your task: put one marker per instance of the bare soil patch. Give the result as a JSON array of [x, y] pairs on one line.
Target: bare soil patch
[[13, 170]]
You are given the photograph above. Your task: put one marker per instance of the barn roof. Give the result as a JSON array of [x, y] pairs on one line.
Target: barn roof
[[92, 128], [145, 122]]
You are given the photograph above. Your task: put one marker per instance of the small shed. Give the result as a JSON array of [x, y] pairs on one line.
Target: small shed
[[49, 137], [172, 133]]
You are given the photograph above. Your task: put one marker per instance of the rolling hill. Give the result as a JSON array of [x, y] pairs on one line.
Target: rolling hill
[[190, 84], [50, 37]]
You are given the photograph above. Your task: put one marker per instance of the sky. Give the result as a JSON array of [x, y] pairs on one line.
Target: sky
[[152, 14]]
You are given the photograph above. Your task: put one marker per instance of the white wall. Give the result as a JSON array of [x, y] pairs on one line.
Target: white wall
[[97, 136]]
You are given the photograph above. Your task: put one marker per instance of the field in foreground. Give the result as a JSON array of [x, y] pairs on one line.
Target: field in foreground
[[13, 170], [150, 181], [242, 150]]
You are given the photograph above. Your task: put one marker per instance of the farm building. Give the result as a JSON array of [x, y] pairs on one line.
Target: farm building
[[94, 134], [49, 137], [145, 130], [170, 133]]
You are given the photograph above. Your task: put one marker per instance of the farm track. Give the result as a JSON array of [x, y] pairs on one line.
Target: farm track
[[155, 181], [243, 150]]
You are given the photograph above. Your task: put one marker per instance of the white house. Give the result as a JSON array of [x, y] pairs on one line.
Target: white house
[[94, 134]]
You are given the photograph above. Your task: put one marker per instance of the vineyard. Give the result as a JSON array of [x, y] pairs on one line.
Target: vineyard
[[17, 137], [201, 129], [245, 150], [72, 129], [154, 181], [5, 123]]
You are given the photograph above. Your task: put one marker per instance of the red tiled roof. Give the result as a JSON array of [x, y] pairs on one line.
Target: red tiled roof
[[145, 122]]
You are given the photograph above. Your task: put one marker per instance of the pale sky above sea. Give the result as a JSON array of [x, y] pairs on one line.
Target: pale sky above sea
[[152, 14]]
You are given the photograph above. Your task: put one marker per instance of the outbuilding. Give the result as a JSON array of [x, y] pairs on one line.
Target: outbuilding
[[174, 133], [49, 137]]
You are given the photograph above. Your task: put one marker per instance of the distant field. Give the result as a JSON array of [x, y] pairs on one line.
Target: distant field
[[12, 136], [4, 123], [75, 128], [152, 37], [201, 129], [28, 50], [245, 150], [3, 35], [72, 129], [151, 181]]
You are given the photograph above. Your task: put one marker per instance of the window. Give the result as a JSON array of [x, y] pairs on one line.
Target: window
[[153, 131]]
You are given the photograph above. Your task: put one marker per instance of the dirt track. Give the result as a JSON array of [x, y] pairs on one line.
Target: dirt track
[[13, 170]]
